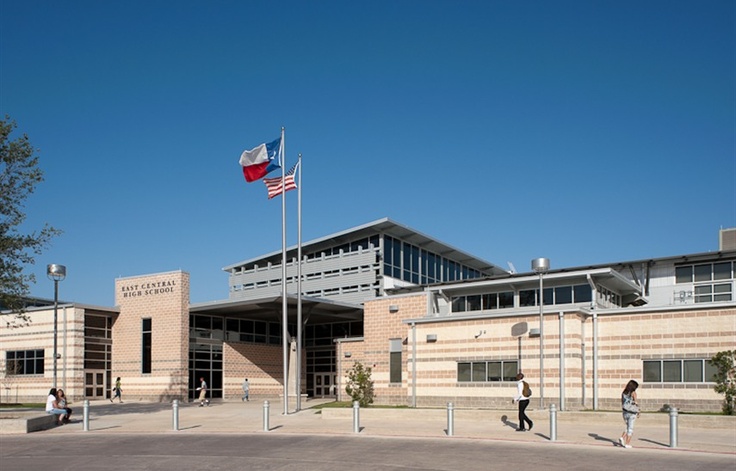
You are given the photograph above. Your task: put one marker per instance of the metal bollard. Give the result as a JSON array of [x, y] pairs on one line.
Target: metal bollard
[[552, 423], [86, 416], [356, 417], [266, 415], [673, 427], [175, 407], [450, 419]]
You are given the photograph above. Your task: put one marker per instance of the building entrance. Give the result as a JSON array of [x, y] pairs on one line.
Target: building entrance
[[205, 361], [324, 384], [95, 386]]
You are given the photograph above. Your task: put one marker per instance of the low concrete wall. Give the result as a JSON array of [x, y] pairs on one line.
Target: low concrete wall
[[25, 422]]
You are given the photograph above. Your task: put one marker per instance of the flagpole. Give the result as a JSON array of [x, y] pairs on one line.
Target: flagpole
[[299, 291], [284, 305]]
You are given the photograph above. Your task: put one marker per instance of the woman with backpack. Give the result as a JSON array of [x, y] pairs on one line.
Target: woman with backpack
[[522, 397], [630, 410]]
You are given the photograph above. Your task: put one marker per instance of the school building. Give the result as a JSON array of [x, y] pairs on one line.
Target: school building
[[434, 323]]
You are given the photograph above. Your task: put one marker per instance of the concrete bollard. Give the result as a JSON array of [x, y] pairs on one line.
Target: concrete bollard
[[85, 421], [673, 427], [552, 423], [266, 415], [450, 419], [175, 409], [356, 417]]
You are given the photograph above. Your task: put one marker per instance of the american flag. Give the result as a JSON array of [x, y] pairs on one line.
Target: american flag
[[274, 184]]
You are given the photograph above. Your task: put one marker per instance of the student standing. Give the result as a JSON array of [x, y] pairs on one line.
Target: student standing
[[630, 410], [203, 392], [522, 397]]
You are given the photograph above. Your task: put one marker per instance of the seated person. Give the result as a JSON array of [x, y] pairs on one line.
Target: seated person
[[52, 407], [61, 404]]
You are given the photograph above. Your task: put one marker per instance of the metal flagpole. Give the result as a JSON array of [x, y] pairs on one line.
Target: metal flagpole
[[284, 305], [299, 291]]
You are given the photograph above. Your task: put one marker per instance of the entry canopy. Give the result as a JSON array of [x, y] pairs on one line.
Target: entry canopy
[[314, 310]]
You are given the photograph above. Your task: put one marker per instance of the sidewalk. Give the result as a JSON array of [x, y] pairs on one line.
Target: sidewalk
[[712, 434]]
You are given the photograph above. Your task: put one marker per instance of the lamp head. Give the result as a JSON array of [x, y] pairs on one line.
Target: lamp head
[[540, 265], [56, 272]]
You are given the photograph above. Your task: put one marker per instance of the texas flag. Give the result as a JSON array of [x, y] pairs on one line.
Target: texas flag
[[260, 161]]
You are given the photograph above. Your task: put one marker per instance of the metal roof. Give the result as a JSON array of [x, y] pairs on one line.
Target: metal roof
[[381, 226]]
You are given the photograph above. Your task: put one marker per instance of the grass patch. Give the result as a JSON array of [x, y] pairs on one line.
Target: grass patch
[[27, 405]]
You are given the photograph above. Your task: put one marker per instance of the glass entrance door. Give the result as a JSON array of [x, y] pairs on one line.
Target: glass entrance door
[[94, 384], [324, 385]]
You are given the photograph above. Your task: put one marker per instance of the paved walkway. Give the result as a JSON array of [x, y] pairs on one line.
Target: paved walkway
[[710, 434]]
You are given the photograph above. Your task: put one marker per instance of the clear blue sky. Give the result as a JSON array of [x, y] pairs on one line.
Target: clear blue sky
[[585, 132]]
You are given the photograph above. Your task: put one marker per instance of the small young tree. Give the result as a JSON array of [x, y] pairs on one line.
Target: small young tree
[[725, 377], [360, 385]]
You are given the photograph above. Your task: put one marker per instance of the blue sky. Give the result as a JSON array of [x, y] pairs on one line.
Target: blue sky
[[585, 132]]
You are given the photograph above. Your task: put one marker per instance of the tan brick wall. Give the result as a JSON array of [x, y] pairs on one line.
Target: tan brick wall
[[261, 364], [164, 298], [39, 334], [624, 341]]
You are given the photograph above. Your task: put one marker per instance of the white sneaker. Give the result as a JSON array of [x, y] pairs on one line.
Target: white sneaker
[[627, 446], [621, 441]]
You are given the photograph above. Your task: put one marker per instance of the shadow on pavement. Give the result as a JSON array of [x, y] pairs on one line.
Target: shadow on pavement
[[603, 439]]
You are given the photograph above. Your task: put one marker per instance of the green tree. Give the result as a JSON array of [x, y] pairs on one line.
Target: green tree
[[725, 377], [360, 385], [19, 175]]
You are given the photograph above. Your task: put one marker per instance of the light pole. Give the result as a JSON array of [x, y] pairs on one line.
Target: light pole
[[541, 266], [57, 273]]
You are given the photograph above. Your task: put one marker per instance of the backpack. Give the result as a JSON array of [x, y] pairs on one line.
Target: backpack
[[527, 391]]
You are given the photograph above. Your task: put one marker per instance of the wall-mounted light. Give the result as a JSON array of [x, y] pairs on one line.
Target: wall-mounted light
[[431, 337], [480, 332], [533, 332], [393, 308], [348, 354]]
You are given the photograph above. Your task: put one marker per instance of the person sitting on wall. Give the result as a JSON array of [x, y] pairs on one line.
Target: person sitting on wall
[[52, 407], [61, 402]]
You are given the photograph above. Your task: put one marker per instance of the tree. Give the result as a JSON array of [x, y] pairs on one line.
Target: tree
[[360, 385], [19, 175], [725, 377]]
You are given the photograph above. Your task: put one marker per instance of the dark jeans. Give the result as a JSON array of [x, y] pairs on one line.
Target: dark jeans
[[523, 419]]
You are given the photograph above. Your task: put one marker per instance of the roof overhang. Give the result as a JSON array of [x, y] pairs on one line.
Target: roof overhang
[[314, 310], [381, 226]]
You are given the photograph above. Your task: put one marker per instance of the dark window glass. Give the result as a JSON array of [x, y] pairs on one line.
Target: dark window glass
[[146, 346], [652, 371], [527, 297], [489, 301], [684, 274], [458, 304], [563, 295], [479, 371], [582, 293], [548, 296], [463, 372], [703, 272], [722, 271], [510, 368], [395, 367], [672, 371], [506, 300], [474, 303], [494, 371]]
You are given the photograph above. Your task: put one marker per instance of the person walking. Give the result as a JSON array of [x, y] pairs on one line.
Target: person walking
[[203, 393], [630, 411], [117, 392], [246, 390], [523, 392]]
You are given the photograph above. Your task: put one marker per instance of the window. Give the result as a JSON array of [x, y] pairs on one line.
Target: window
[[678, 371], [24, 362], [395, 360], [487, 371], [712, 281], [146, 346]]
